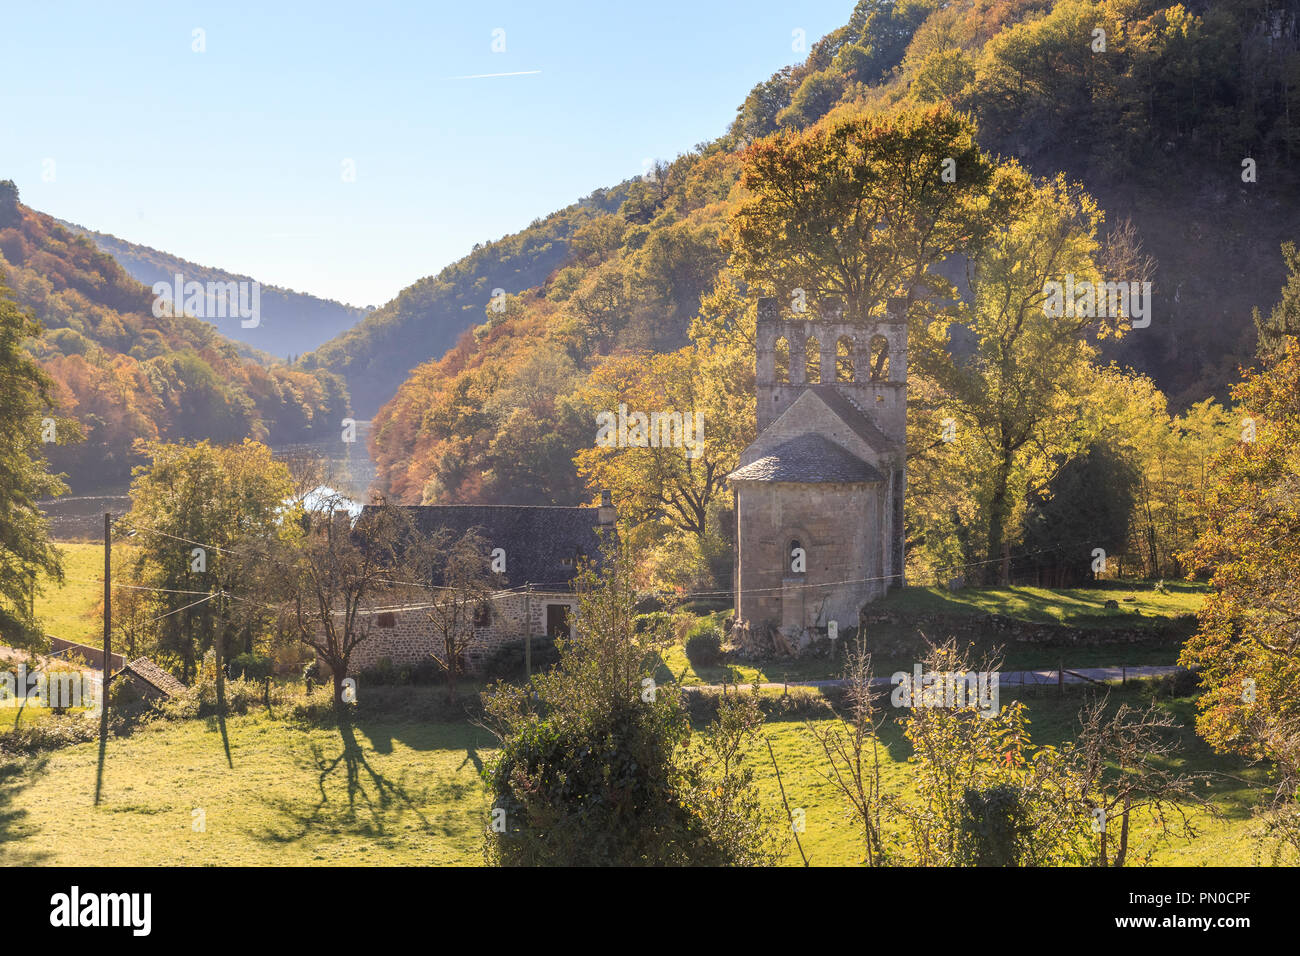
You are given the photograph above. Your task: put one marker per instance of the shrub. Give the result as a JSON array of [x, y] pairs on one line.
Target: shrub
[[704, 644], [251, 666], [507, 662]]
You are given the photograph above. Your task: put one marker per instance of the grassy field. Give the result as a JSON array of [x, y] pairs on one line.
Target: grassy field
[[895, 646], [1140, 603], [388, 790], [72, 610]]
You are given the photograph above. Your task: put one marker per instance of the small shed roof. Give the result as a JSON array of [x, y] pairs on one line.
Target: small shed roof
[[153, 675]]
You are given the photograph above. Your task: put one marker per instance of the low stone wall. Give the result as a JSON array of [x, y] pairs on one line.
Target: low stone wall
[[939, 626]]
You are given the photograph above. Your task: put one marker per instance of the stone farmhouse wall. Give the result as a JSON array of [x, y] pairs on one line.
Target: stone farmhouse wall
[[411, 638]]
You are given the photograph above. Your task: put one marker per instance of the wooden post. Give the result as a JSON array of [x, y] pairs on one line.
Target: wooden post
[[1060, 678], [107, 663], [528, 633]]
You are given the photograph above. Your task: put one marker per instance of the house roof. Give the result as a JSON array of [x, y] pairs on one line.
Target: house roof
[[153, 675], [809, 459], [542, 542]]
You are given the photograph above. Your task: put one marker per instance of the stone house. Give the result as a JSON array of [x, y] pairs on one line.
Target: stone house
[[819, 493], [541, 549]]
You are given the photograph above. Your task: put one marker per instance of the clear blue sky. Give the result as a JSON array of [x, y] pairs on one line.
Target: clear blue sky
[[234, 157]]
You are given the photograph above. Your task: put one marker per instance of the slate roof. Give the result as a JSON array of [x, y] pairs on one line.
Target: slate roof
[[810, 459], [538, 539], [155, 676]]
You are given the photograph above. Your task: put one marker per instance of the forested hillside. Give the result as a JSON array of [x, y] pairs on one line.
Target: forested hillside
[[426, 319], [290, 323], [1152, 108], [123, 374]]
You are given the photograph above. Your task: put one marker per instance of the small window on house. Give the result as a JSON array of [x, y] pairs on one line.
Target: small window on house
[[388, 619], [796, 557], [483, 615]]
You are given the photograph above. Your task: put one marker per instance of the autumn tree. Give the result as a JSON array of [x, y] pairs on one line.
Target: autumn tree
[[862, 208], [654, 470], [1247, 647], [26, 422]]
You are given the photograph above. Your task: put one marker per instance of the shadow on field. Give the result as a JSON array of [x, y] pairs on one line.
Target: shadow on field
[[352, 794], [16, 776]]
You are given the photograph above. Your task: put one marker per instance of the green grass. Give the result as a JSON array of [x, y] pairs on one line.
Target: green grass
[[391, 790], [380, 792], [830, 838], [72, 610], [898, 644], [1140, 604]]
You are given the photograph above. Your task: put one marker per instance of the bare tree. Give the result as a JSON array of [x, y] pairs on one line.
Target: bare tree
[[458, 596], [334, 580], [1137, 744], [852, 748]]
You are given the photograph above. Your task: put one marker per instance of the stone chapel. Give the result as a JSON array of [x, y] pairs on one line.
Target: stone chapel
[[819, 493]]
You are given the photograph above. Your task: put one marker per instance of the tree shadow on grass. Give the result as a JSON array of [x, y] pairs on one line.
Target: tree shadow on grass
[[16, 776], [352, 795]]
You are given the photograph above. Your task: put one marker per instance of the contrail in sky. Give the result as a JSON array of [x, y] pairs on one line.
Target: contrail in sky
[[482, 76]]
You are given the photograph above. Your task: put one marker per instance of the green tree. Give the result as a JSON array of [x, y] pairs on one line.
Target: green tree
[[598, 766], [195, 509], [1283, 322], [26, 420], [1021, 389]]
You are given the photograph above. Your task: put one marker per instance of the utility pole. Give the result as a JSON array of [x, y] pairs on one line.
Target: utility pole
[[108, 651], [528, 633]]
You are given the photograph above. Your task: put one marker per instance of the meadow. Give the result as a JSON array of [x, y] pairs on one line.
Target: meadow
[[398, 781], [386, 787]]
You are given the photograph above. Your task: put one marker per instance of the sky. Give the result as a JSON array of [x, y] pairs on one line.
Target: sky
[[347, 149]]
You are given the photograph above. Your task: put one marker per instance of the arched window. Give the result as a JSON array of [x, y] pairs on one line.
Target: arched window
[[812, 361], [879, 359], [844, 359], [782, 351], [796, 558]]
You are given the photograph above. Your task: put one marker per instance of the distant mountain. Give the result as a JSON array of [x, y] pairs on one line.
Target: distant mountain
[[291, 323], [126, 373]]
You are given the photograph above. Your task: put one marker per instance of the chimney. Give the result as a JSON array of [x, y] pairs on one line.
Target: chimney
[[606, 515]]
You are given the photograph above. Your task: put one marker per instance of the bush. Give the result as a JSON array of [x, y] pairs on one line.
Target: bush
[[655, 621], [384, 673], [647, 602], [704, 644], [251, 666], [507, 662], [51, 733]]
